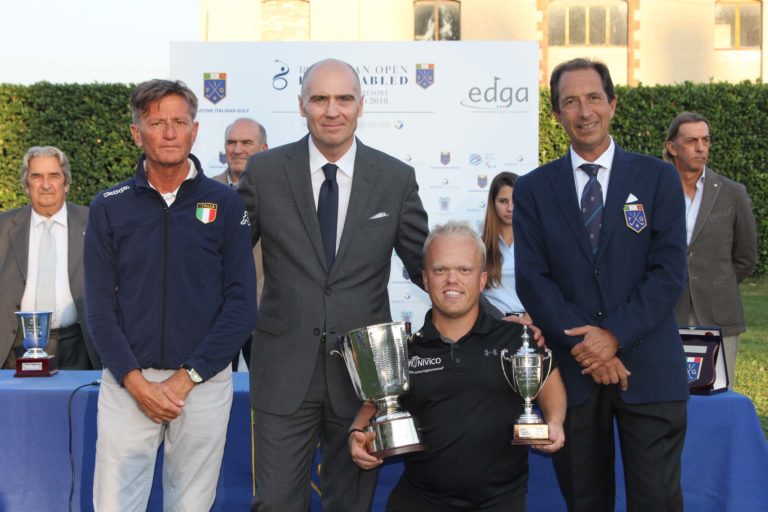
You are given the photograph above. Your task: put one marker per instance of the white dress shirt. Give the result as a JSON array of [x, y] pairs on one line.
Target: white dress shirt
[[346, 165], [581, 178], [692, 206], [65, 313]]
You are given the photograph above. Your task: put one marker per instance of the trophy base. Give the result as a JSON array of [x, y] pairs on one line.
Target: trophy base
[[395, 437], [531, 434], [35, 366]]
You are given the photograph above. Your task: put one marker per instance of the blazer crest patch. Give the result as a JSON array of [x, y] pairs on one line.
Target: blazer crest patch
[[634, 216]]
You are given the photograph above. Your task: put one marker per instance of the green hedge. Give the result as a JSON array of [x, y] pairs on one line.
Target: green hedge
[[90, 123]]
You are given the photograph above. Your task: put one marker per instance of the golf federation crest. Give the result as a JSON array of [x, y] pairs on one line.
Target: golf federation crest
[[214, 87], [206, 212], [482, 180], [425, 75], [445, 157], [634, 216], [445, 203]]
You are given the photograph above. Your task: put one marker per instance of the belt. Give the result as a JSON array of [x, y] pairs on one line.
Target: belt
[[65, 330]]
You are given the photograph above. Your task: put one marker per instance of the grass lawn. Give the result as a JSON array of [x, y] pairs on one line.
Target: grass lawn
[[752, 360]]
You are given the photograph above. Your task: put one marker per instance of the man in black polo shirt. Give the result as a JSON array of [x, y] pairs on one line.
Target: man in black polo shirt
[[459, 394]]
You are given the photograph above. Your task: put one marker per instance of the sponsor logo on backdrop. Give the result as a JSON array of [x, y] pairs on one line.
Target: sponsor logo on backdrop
[[496, 97], [445, 157], [222, 157], [482, 180], [279, 82], [475, 159], [445, 203], [399, 125], [405, 274], [406, 316], [425, 75], [214, 87]]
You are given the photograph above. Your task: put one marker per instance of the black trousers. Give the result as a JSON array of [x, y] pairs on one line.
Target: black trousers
[[651, 438], [406, 498], [66, 343]]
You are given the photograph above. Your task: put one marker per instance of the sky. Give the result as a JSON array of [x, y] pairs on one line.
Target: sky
[[86, 41]]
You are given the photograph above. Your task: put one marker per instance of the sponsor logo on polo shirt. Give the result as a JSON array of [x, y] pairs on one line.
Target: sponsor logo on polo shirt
[[418, 364]]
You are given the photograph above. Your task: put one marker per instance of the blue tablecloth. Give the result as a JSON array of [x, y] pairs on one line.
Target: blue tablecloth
[[725, 459]]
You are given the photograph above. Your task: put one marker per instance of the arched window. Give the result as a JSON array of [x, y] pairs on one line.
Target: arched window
[[285, 20], [436, 20], [737, 24], [587, 23]]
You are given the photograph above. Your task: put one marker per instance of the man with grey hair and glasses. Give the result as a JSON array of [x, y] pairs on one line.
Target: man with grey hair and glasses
[[169, 290], [41, 262]]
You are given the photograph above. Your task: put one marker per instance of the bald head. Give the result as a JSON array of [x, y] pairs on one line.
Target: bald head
[[243, 138], [333, 66]]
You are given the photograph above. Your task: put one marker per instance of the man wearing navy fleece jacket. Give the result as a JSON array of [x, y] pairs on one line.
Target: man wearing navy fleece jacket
[[168, 274]]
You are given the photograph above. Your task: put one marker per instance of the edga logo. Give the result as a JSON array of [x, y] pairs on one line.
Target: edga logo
[[494, 97]]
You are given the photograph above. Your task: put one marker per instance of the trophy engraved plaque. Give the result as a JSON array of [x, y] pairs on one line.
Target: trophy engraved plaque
[[35, 327], [526, 366], [377, 361]]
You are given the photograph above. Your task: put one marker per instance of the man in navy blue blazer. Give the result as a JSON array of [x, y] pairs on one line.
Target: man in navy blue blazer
[[601, 252]]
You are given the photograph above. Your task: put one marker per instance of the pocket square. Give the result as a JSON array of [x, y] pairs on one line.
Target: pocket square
[[379, 216], [631, 198]]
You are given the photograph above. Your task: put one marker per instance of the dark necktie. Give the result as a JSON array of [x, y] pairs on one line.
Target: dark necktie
[[328, 212], [592, 204]]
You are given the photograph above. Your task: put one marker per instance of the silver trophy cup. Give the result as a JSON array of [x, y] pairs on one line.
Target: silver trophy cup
[[35, 329], [377, 361], [527, 368]]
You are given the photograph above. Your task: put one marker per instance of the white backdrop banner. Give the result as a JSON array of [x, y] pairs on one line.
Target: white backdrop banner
[[458, 112]]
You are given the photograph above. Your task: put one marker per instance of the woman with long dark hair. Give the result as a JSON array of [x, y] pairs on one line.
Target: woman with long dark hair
[[499, 241]]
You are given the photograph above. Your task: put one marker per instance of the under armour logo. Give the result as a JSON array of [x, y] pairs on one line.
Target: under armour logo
[[245, 221], [493, 352]]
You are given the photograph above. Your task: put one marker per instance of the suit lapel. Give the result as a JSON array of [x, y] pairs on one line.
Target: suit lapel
[[297, 174], [75, 231], [709, 197], [19, 240], [362, 184], [623, 174], [565, 193]]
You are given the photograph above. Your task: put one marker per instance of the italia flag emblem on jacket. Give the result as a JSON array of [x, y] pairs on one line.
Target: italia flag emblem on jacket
[[206, 212]]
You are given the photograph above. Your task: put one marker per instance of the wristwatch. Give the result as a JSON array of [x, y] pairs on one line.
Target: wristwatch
[[196, 378]]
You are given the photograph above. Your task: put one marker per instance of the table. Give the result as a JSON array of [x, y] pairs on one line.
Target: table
[[725, 459]]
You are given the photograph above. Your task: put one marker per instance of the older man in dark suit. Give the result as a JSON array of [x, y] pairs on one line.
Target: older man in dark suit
[[722, 237], [600, 248], [243, 138], [46, 177], [329, 211]]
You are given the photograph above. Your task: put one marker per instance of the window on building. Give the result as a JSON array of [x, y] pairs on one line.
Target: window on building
[[436, 20], [737, 24], [285, 20], [587, 23]]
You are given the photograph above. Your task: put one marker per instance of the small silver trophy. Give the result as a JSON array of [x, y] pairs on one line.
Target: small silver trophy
[[377, 361], [35, 327], [526, 367]]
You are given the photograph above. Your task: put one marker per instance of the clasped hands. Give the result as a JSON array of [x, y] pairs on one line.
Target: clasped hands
[[597, 355], [162, 401]]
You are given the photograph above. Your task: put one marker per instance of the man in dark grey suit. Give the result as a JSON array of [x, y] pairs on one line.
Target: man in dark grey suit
[[328, 210], [722, 238], [243, 138], [45, 176]]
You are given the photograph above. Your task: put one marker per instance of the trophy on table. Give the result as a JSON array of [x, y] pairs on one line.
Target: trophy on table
[[377, 362], [527, 369], [35, 327]]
